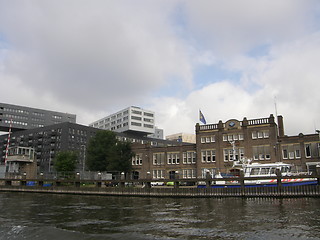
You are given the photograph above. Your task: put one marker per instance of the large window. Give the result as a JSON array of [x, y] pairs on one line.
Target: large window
[[211, 171], [158, 159], [173, 158], [232, 137], [137, 159], [261, 152], [228, 154], [260, 134], [291, 151], [312, 149], [208, 155], [208, 139], [189, 157], [156, 174], [188, 173]]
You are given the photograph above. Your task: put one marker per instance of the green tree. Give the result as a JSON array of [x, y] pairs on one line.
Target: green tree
[[106, 153], [124, 155], [65, 161]]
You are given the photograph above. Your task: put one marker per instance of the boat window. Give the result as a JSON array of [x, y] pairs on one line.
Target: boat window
[[265, 171], [273, 170], [285, 169], [254, 171]]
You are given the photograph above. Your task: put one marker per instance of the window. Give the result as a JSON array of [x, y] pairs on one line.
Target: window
[[231, 137], [261, 152], [208, 156], [208, 139], [136, 118], [291, 151], [211, 171], [260, 134], [312, 150], [228, 154], [225, 137], [158, 159], [173, 158], [156, 174], [254, 135], [148, 114], [137, 160], [188, 173], [189, 157], [136, 112]]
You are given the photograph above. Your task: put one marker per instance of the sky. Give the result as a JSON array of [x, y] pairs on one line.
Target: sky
[[231, 59]]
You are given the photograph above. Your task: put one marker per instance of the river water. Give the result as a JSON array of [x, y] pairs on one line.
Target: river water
[[49, 216]]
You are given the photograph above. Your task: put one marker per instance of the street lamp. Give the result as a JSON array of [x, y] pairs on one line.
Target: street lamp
[[83, 157]]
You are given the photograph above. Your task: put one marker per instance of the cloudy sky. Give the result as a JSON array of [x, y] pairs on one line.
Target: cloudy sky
[[231, 59]]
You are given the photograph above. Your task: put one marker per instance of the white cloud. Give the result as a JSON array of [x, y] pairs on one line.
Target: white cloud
[[92, 54], [290, 73], [96, 57], [232, 27]]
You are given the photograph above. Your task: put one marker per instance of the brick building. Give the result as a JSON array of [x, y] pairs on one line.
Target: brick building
[[217, 145]]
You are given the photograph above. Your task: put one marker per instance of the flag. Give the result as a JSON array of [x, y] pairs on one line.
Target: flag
[[201, 117]]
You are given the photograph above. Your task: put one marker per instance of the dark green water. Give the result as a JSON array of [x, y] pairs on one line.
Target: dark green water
[[46, 216]]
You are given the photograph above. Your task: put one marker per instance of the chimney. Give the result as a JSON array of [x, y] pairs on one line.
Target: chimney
[[280, 126]]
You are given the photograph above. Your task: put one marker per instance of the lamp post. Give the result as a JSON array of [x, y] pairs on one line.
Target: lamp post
[[83, 157]]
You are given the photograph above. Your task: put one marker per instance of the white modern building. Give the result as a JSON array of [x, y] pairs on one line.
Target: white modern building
[[129, 120]]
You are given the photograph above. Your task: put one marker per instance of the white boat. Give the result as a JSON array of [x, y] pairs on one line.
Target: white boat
[[254, 170]]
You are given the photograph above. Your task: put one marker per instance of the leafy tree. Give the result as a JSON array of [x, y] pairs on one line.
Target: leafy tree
[[124, 155], [65, 161], [106, 153]]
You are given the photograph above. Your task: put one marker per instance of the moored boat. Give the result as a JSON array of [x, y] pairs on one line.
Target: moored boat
[[255, 170]]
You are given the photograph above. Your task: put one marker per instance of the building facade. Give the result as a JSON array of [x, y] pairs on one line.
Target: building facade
[[27, 118], [49, 140], [218, 145], [158, 133], [131, 119]]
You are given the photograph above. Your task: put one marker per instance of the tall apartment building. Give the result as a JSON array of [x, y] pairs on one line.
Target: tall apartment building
[[27, 118], [129, 120]]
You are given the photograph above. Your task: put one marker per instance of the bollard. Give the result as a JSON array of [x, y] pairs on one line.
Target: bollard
[[241, 179], [98, 184], [8, 183], [147, 184], [40, 183]]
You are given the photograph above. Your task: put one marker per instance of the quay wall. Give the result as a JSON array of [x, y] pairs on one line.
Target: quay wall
[[163, 191]]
